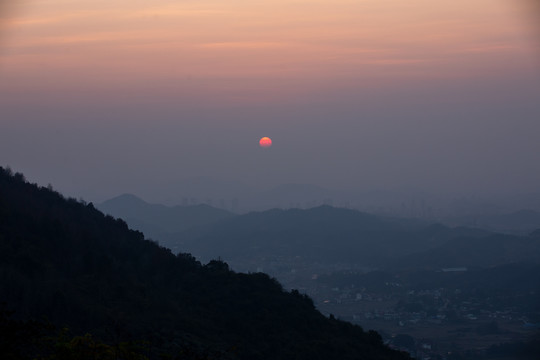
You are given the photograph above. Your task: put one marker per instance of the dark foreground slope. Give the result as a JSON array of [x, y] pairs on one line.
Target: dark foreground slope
[[67, 261]]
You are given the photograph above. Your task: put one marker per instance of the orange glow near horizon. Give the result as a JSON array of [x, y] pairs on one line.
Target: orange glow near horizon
[[268, 49]]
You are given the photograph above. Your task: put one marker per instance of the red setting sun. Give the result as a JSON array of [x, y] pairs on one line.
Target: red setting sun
[[265, 142]]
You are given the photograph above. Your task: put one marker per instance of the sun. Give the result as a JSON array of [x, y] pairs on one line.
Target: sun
[[265, 142]]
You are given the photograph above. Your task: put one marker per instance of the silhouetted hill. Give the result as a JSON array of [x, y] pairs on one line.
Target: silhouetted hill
[[65, 260], [156, 220], [323, 234]]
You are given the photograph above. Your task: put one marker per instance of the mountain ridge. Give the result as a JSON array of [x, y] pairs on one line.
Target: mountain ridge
[[323, 233], [156, 220]]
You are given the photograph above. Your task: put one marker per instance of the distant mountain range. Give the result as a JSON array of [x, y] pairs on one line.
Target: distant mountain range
[[156, 220], [323, 234], [319, 235], [499, 215], [241, 198]]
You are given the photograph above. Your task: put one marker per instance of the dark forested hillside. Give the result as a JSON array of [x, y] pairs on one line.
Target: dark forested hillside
[[64, 260]]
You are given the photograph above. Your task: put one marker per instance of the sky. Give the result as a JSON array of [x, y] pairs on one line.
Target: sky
[[103, 97]]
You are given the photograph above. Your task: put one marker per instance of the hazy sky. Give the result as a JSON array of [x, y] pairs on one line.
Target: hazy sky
[[101, 97]]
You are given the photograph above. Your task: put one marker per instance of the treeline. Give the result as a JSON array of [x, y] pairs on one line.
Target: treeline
[[33, 339]]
